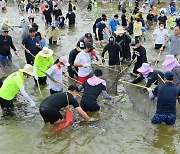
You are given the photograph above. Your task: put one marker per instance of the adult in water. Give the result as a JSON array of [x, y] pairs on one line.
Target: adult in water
[[93, 87], [50, 107], [11, 86], [166, 94], [147, 72]]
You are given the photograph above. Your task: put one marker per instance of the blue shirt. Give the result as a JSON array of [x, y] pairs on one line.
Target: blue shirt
[[113, 24], [30, 44], [101, 27], [167, 94]]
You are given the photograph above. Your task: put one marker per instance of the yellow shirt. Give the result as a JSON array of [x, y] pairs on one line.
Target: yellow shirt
[[137, 28]]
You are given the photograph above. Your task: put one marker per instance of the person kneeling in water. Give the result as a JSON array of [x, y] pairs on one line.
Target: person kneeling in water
[[93, 87], [50, 107]]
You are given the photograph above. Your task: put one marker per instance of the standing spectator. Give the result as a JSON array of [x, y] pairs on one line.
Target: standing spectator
[[47, 15], [159, 36], [53, 34], [113, 23], [5, 45], [124, 41], [174, 40], [31, 14], [29, 44], [124, 19], [71, 18], [137, 29]]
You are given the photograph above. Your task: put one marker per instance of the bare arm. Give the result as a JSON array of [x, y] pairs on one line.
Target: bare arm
[[82, 113], [78, 64]]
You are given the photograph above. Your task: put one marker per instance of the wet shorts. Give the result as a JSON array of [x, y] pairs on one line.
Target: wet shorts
[[7, 106], [136, 66], [169, 119], [86, 106], [50, 115], [83, 79]]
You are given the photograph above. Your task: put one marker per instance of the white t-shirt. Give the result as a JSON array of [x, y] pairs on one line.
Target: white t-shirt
[[160, 35], [83, 58]]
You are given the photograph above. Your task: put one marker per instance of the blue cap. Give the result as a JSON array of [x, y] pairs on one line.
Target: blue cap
[[169, 75]]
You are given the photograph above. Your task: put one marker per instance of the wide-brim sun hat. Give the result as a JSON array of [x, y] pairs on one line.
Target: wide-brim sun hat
[[28, 69], [120, 30], [64, 60], [145, 68], [6, 21], [46, 52]]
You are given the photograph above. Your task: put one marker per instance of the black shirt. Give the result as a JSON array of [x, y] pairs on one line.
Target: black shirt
[[56, 13], [5, 45], [162, 19], [113, 51], [150, 17], [91, 93], [152, 77], [47, 14], [123, 18], [140, 53], [72, 56], [58, 101], [71, 18]]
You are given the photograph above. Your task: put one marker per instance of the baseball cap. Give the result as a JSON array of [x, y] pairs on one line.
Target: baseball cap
[[80, 45], [89, 45], [169, 75]]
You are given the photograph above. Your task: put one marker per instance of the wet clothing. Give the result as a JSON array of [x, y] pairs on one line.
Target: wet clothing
[[169, 119], [71, 69], [30, 44], [72, 18], [124, 42], [50, 106], [167, 94], [152, 78], [114, 52], [96, 22], [91, 92], [7, 106], [162, 19], [113, 24], [140, 53], [177, 21], [176, 78], [5, 45], [61, 21]]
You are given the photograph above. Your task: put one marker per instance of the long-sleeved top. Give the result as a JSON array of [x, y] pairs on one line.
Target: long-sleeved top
[[54, 33], [167, 94], [5, 45], [140, 53], [72, 56], [55, 73], [114, 52], [152, 77]]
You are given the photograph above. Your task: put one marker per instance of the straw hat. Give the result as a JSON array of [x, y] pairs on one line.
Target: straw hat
[[27, 69], [6, 21], [120, 30], [46, 52]]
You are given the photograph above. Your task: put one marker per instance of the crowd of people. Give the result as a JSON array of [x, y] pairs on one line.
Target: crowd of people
[[121, 37]]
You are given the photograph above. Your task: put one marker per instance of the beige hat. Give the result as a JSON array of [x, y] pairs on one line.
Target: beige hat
[[120, 30], [6, 21], [46, 52], [27, 69]]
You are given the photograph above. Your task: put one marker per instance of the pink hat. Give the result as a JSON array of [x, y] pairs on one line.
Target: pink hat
[[145, 69], [64, 60], [170, 62], [94, 81]]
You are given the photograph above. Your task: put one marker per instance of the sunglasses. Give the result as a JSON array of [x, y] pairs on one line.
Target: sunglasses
[[5, 31]]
